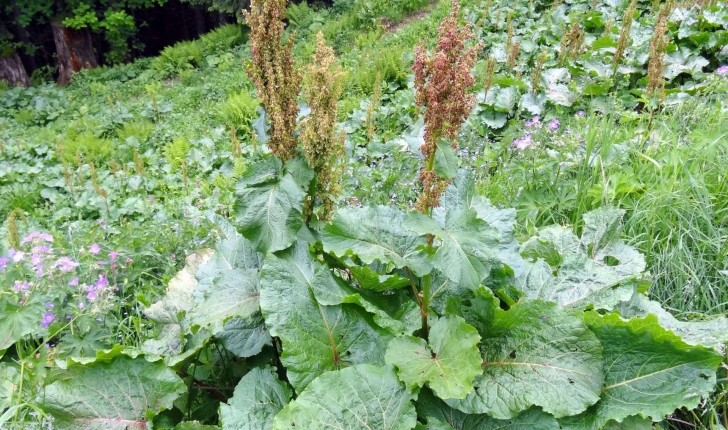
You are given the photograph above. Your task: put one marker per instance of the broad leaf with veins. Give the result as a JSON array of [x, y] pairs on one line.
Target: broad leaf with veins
[[536, 354], [315, 337], [122, 394]]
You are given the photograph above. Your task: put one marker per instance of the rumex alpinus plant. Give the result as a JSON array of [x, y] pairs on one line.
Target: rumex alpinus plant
[[388, 319], [656, 65], [322, 144], [273, 71], [625, 34], [442, 83]]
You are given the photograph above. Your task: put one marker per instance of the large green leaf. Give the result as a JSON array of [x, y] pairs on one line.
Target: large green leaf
[[461, 196], [467, 245], [649, 371], [437, 413], [597, 270], [258, 397], [448, 361], [17, 321], [376, 234], [371, 280], [315, 337], [536, 354], [712, 332], [363, 397], [233, 293], [245, 337], [121, 394], [269, 214], [446, 161]]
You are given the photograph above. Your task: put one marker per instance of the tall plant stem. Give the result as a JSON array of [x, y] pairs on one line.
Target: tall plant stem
[[425, 305]]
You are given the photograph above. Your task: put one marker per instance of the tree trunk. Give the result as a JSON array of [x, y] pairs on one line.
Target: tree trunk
[[75, 51], [23, 35], [200, 20], [13, 71]]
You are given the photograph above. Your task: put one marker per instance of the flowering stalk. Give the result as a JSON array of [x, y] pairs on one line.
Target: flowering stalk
[[442, 82], [323, 146], [624, 34], [656, 65], [489, 72], [513, 55], [273, 72], [373, 105], [536, 73]]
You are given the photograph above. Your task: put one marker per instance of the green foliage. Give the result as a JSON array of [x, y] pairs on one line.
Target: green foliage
[[222, 38], [174, 60], [239, 111], [176, 151], [333, 312], [390, 63], [119, 27]]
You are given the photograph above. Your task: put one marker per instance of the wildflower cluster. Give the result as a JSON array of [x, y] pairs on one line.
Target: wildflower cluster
[[58, 288], [527, 141], [273, 72], [323, 146], [442, 81]]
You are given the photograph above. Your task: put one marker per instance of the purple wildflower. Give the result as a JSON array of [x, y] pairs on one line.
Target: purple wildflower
[[102, 283], [74, 281], [113, 255], [94, 249], [99, 320], [81, 306], [48, 318], [37, 236], [36, 259], [554, 124], [21, 286], [534, 122], [18, 256], [3, 263], [91, 296], [580, 113], [173, 256], [66, 264], [49, 305], [128, 261], [42, 249], [722, 70], [523, 142]]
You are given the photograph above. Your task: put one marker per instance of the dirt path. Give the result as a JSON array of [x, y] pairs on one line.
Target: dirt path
[[415, 16]]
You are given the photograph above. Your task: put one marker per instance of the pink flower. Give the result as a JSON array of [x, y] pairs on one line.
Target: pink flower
[[74, 281], [65, 264], [523, 143], [94, 249], [722, 70], [3, 263], [113, 255]]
